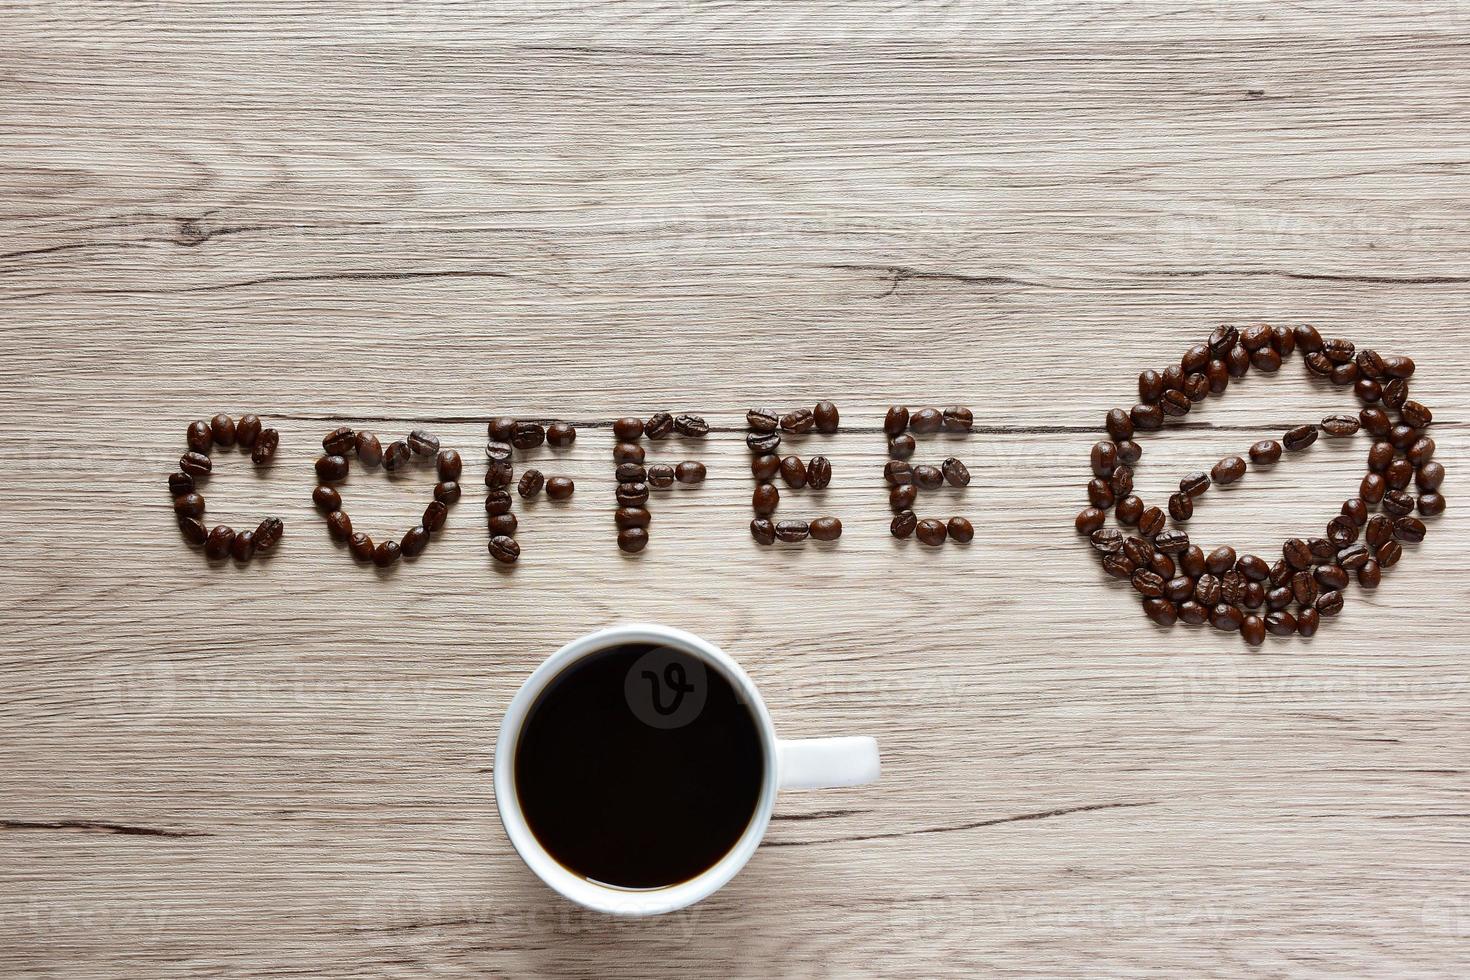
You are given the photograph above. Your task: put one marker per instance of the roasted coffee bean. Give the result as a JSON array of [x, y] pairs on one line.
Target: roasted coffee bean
[[1173, 378], [523, 435], [1089, 519], [931, 478], [1283, 340], [1253, 567], [195, 464], [634, 494], [1119, 425], [1396, 393], [1217, 376], [897, 473], [1139, 551], [691, 472], [901, 446], [1401, 437], [1322, 549], [1307, 620], [793, 471], [1319, 364], [960, 530], [327, 498], [1329, 603], [449, 465], [1194, 484], [1107, 540], [762, 420], [506, 551], [630, 473], [1278, 598], [763, 442], [904, 522], [792, 531], [931, 532], [1399, 367], [1296, 553], [903, 497], [1253, 628], [1226, 617], [826, 529], [369, 449], [1171, 542], [331, 468], [500, 428], [397, 455], [1338, 351], [1104, 458], [1163, 565], [765, 499], [1341, 532], [1266, 360], [763, 530], [1221, 560], [1409, 529], [1195, 359], [826, 415], [1304, 587], [1299, 438], [1147, 418], [1148, 584], [1222, 338], [1121, 483], [1370, 574], [1375, 421], [424, 444], [691, 425], [1175, 403], [1151, 522], [1416, 414], [503, 524], [1420, 451], [1354, 555], [340, 441], [632, 540], [199, 436], [1429, 477], [361, 546], [1265, 452], [188, 505], [660, 476], [1192, 561], [957, 418], [434, 515], [1372, 488], [499, 473], [531, 483], [1099, 491], [1330, 577], [1368, 390], [1338, 426], [1379, 530], [268, 534], [1238, 361], [659, 425], [1345, 374], [1129, 510], [1307, 338], [1355, 509], [818, 472], [1389, 554], [1281, 623], [1232, 587], [447, 491], [955, 472], [217, 545], [194, 532], [626, 517], [1281, 573], [1371, 364], [414, 541], [1397, 503], [247, 431], [1129, 452], [926, 421], [1179, 588], [560, 487], [1228, 470], [798, 421], [222, 429], [1430, 504], [627, 452], [1254, 337], [179, 484], [1207, 590], [1161, 611], [896, 421], [563, 434], [1181, 506], [765, 467], [1379, 456], [1116, 565], [628, 429]]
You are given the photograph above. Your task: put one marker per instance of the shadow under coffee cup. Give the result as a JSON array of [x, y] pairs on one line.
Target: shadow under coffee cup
[[637, 769]]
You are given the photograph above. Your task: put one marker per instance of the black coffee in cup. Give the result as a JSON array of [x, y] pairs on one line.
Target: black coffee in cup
[[639, 766]]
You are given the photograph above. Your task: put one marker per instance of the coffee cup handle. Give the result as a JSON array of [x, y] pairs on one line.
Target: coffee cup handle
[[821, 763]]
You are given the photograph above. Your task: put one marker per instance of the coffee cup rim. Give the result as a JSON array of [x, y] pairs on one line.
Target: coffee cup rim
[[608, 898]]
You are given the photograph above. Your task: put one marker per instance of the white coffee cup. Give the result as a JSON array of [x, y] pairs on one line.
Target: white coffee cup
[[808, 763]]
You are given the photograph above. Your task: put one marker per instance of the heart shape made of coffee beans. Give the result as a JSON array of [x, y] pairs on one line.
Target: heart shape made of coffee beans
[[195, 466], [332, 468], [1177, 581]]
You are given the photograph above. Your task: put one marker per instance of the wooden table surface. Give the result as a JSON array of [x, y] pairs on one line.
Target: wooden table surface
[[396, 215]]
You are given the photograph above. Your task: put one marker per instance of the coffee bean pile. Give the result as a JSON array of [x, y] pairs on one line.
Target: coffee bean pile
[[194, 468], [332, 468], [1176, 578], [635, 478], [905, 480], [506, 436], [766, 429]]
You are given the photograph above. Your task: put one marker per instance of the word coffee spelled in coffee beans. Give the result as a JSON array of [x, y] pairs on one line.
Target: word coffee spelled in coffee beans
[[1176, 579]]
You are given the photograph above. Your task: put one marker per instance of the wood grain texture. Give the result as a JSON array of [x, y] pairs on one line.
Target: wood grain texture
[[432, 213]]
